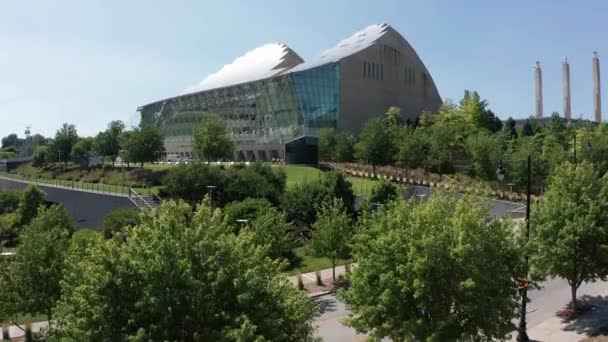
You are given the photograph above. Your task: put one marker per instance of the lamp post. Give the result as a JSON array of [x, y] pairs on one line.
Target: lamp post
[[211, 187], [242, 223], [121, 153], [522, 335]]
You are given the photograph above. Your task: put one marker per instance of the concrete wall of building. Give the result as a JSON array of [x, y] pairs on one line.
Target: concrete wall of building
[[88, 209], [404, 81]]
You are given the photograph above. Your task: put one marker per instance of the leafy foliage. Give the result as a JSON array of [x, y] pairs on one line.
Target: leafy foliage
[[108, 142], [384, 192], [41, 156], [29, 205], [65, 138], [375, 145], [442, 270], [118, 220], [248, 209], [189, 182], [302, 201], [212, 141], [569, 227], [81, 151], [143, 144], [180, 277], [332, 233], [34, 273]]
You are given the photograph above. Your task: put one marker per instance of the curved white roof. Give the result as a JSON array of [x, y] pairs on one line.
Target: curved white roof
[[262, 62], [358, 41]]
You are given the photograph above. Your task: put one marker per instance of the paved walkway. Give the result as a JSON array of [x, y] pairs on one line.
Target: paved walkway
[[17, 333], [311, 277]]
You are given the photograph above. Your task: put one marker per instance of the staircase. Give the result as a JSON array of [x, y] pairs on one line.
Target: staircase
[[144, 202]]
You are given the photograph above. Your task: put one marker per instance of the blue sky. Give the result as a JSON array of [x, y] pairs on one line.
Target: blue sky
[[90, 62]]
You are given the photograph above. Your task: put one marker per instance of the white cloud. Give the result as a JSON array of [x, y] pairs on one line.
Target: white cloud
[[261, 62]]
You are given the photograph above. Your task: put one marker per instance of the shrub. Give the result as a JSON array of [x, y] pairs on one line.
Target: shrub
[[118, 220], [9, 200]]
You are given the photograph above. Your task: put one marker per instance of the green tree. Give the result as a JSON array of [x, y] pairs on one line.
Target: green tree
[[212, 140], [344, 148], [10, 140], [327, 143], [271, 229], [65, 138], [441, 270], [393, 116], [332, 234], [257, 181], [144, 144], [209, 285], [189, 182], [30, 203], [118, 220], [303, 201], [484, 150], [510, 128], [41, 155], [81, 152], [375, 146], [412, 148], [248, 209], [383, 192], [528, 129], [569, 234], [477, 112], [108, 142], [38, 264]]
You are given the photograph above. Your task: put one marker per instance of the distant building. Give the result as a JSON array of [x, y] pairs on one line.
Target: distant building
[[275, 103]]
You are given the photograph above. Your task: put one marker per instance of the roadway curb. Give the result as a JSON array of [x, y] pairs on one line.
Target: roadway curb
[[321, 293]]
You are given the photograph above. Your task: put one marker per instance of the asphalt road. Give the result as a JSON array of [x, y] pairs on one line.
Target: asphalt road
[[544, 303], [497, 207]]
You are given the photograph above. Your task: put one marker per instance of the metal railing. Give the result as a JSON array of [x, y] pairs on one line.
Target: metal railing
[[139, 201], [101, 188]]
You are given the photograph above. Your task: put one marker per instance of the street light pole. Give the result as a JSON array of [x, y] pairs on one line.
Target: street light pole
[[211, 187], [522, 334]]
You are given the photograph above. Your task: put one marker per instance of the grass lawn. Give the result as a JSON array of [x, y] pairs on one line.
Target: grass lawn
[[307, 263], [299, 173], [362, 186]]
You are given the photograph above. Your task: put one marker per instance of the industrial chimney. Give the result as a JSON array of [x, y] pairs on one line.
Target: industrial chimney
[[566, 74], [597, 94], [539, 90]]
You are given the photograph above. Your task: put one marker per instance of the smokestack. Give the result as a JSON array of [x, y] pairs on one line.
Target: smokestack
[[566, 73], [597, 94], [539, 90]]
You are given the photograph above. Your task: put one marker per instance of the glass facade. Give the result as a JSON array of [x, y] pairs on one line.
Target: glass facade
[[269, 111]]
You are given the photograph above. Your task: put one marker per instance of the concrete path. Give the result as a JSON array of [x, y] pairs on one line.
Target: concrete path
[[17, 333], [311, 277], [543, 325]]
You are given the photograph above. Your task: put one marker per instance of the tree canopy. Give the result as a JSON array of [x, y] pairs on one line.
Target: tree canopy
[[212, 140], [144, 144], [180, 276], [442, 270], [569, 227]]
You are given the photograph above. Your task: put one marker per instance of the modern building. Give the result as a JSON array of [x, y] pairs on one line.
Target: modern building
[[275, 103]]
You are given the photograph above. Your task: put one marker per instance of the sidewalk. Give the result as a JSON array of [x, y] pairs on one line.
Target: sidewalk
[[553, 329], [17, 334], [310, 280]]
